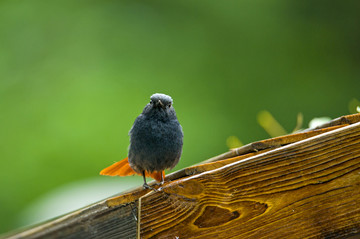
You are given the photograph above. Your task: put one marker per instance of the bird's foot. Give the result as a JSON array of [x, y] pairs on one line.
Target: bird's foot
[[147, 186]]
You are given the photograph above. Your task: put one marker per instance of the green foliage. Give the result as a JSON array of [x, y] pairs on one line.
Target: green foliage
[[74, 75]]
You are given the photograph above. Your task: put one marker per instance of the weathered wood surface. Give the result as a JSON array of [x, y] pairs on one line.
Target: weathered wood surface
[[96, 221], [304, 185], [308, 189]]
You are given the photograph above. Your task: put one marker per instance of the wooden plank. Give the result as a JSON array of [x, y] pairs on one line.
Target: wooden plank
[[277, 188], [308, 189], [272, 143], [97, 221], [288, 139]]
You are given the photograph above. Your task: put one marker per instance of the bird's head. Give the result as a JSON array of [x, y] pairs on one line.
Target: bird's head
[[161, 101]]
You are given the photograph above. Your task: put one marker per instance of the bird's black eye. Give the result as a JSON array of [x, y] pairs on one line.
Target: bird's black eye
[[169, 105]]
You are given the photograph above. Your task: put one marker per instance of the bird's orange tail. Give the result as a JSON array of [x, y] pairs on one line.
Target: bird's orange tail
[[122, 168]]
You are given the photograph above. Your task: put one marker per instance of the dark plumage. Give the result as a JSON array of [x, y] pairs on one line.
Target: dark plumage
[[156, 138]]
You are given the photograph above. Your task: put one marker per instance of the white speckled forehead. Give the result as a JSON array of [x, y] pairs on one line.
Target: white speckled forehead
[[165, 99]]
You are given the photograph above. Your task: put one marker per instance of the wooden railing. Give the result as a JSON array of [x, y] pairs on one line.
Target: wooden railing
[[304, 185]]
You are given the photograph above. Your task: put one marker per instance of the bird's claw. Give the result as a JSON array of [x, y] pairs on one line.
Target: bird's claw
[[146, 186]]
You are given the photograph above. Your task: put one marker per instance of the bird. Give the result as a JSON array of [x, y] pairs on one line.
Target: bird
[[156, 142]]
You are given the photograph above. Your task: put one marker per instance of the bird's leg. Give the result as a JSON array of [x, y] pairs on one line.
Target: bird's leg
[[161, 182], [162, 179], [145, 185]]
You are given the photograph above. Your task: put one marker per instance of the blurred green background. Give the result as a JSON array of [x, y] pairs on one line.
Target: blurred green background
[[75, 74]]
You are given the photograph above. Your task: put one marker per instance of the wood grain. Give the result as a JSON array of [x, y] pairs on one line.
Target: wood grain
[[96, 221], [308, 189]]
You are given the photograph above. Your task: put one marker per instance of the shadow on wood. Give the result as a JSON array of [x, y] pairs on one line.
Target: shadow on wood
[[304, 185]]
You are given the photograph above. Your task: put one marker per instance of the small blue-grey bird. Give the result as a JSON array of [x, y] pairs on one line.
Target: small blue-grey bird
[[156, 141]]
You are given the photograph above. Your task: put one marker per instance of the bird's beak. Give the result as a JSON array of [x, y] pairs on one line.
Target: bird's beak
[[160, 103]]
